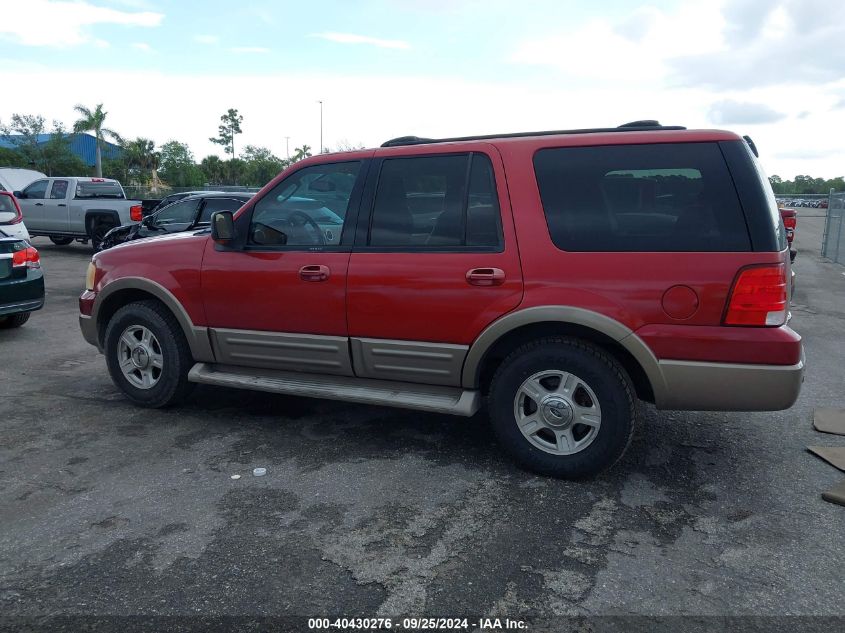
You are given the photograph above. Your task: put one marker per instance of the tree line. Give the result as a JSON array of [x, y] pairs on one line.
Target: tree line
[[802, 185], [140, 161]]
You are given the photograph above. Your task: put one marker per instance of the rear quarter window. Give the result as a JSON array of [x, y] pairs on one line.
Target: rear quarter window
[[660, 197]]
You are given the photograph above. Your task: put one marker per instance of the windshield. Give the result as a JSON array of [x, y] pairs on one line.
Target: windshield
[[90, 189]]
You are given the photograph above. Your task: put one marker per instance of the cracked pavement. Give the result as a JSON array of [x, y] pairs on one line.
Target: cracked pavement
[[108, 509]]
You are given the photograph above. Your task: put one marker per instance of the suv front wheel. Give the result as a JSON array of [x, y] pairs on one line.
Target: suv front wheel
[[562, 407], [147, 354]]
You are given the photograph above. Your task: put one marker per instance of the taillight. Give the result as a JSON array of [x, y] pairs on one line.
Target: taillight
[[758, 297], [28, 257], [790, 223], [136, 212]]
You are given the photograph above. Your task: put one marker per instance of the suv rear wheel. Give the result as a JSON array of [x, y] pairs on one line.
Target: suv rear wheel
[[147, 354], [61, 241], [562, 407]]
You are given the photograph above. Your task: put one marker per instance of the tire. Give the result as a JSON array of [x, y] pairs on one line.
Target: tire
[[14, 320], [148, 385], [555, 442], [61, 241], [97, 231]]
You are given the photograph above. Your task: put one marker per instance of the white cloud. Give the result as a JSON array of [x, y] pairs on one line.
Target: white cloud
[[730, 112], [634, 48], [133, 4], [249, 49], [351, 38], [206, 39], [142, 46], [62, 23], [770, 42]]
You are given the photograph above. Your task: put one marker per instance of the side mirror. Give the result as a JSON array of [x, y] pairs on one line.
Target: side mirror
[[223, 227], [18, 194]]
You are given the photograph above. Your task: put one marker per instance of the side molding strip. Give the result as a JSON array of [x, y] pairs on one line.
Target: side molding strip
[[412, 361], [275, 350]]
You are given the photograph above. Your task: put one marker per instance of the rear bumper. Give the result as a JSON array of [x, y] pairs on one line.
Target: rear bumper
[[697, 386], [23, 294], [23, 306]]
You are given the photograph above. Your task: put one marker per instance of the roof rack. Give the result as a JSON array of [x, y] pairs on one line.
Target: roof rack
[[633, 126]]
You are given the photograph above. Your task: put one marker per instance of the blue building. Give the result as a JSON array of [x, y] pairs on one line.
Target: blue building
[[82, 144]]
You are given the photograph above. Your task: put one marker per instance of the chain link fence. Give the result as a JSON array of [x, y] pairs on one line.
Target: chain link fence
[[833, 238]]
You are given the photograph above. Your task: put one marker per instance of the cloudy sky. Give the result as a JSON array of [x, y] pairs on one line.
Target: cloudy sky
[[167, 69]]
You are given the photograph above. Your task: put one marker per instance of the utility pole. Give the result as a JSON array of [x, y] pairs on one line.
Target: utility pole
[[287, 146], [321, 126]]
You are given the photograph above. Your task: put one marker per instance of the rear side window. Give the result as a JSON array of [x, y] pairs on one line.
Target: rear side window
[[58, 190], [443, 202], [771, 202], [661, 197], [178, 215], [213, 205]]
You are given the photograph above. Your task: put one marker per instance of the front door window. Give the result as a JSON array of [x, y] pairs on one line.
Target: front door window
[[307, 209]]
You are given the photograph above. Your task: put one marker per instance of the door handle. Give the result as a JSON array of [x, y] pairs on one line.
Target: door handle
[[486, 276], [314, 273], [62, 204], [39, 204]]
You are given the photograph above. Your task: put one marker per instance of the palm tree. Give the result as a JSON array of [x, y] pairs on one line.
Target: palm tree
[[213, 169], [140, 157], [140, 154], [92, 121], [301, 152]]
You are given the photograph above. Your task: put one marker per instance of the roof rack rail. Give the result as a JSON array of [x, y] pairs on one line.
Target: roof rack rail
[[633, 126]]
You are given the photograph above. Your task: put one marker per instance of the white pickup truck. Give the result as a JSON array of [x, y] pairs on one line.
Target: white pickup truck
[[67, 209]]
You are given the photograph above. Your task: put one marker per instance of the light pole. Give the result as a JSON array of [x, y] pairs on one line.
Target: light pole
[[321, 126], [287, 146]]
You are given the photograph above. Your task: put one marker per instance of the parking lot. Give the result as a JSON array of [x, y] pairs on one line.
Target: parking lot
[[112, 509]]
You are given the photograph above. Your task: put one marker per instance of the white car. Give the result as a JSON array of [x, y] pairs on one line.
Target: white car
[[16, 178], [11, 219]]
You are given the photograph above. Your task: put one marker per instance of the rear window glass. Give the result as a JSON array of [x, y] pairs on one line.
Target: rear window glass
[[7, 209], [661, 197], [98, 190]]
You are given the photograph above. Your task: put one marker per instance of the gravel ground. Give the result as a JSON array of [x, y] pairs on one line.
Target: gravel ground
[[108, 509]]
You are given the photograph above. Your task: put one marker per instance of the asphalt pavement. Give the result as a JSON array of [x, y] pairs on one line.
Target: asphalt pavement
[[109, 509]]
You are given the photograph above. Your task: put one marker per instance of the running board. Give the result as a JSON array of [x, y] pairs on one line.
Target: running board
[[450, 400]]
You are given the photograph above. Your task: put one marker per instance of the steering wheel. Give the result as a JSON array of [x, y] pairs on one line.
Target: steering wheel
[[307, 219]]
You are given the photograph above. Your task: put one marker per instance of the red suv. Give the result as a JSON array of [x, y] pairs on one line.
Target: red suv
[[555, 276]]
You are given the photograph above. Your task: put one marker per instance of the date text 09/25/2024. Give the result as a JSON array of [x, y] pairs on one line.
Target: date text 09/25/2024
[[416, 624]]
